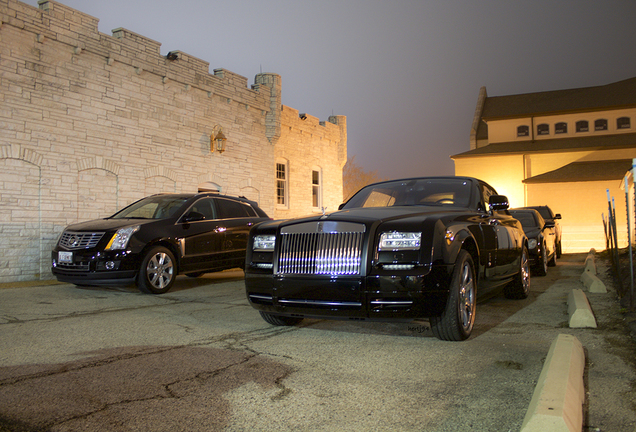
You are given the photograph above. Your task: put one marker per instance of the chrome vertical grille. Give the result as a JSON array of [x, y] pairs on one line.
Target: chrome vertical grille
[[322, 248]]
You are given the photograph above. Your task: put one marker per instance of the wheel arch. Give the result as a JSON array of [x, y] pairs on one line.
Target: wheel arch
[[470, 245], [170, 245]]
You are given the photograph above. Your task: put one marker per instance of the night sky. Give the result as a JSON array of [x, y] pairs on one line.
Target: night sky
[[406, 73]]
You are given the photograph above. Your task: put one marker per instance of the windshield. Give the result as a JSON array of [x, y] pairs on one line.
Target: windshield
[[527, 219], [450, 192], [154, 207], [545, 212]]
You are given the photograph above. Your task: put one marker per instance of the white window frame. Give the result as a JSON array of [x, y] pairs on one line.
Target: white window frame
[[284, 182], [316, 189]]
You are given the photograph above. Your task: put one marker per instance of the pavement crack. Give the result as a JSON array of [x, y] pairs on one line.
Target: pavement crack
[[87, 364]]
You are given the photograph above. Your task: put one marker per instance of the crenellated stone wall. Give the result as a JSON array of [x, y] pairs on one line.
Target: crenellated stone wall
[[91, 122]]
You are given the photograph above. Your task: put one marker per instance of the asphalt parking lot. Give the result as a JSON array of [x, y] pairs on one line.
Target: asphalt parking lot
[[200, 358]]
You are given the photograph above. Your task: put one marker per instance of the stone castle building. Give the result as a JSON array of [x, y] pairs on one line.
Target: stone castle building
[[565, 149], [91, 122]]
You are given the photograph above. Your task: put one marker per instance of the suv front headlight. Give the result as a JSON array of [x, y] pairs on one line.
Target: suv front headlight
[[121, 238]]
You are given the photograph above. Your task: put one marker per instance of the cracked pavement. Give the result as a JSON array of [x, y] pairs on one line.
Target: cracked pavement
[[200, 358]]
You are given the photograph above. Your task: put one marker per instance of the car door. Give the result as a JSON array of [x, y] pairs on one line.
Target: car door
[[237, 219], [202, 237], [490, 229], [509, 242], [507, 238]]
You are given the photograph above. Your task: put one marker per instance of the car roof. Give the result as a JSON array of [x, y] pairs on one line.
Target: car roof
[[542, 207], [205, 194], [537, 215]]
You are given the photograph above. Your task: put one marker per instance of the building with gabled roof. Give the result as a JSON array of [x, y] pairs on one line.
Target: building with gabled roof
[[563, 148]]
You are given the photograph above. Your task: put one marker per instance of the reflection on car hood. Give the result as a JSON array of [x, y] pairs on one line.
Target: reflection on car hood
[[370, 214], [532, 232], [107, 224]]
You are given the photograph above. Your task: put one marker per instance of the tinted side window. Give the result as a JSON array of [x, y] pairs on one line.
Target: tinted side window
[[205, 207], [487, 192], [228, 209]]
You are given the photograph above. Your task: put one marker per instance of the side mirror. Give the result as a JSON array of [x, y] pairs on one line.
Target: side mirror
[[498, 203], [193, 216], [341, 206], [550, 224], [557, 216]]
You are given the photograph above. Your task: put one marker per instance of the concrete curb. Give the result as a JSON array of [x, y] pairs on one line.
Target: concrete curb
[[589, 278], [557, 402], [590, 263], [592, 282], [579, 309]]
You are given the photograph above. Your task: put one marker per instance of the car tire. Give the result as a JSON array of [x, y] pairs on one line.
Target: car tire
[[157, 272], [542, 265], [519, 288], [279, 320], [457, 321], [558, 249], [553, 260]]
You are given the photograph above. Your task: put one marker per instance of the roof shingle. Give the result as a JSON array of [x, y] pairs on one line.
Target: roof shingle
[[614, 95], [585, 171]]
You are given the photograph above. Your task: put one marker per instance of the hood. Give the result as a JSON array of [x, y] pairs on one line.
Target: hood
[[375, 214], [532, 232], [108, 224]]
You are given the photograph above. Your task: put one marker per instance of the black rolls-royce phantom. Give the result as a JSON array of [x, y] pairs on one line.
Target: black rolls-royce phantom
[[397, 250]]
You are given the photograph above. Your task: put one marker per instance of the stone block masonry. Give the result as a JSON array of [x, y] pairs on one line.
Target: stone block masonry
[[91, 122]]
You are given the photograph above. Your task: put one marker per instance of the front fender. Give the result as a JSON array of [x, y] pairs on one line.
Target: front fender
[[449, 241]]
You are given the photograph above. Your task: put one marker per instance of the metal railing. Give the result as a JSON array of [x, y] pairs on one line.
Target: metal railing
[[611, 243]]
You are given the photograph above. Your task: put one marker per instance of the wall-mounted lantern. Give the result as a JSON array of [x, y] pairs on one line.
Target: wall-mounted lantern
[[217, 140]]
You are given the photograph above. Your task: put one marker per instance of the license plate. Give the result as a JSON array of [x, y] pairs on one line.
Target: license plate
[[65, 257]]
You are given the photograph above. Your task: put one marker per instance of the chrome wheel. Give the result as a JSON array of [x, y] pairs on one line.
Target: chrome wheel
[[457, 320], [158, 271], [466, 302], [542, 267], [525, 271], [519, 288]]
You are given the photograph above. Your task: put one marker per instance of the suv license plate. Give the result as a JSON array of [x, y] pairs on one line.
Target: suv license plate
[[65, 257]]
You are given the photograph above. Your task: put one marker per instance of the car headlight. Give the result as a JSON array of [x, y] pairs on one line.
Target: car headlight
[[121, 238], [532, 243], [264, 243], [400, 240]]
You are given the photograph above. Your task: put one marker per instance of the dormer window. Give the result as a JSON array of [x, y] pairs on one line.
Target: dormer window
[[600, 125], [582, 126], [623, 123], [543, 129], [561, 128], [523, 131]]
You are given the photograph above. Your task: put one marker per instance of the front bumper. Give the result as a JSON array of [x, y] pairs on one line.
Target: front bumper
[[374, 297], [89, 267]]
